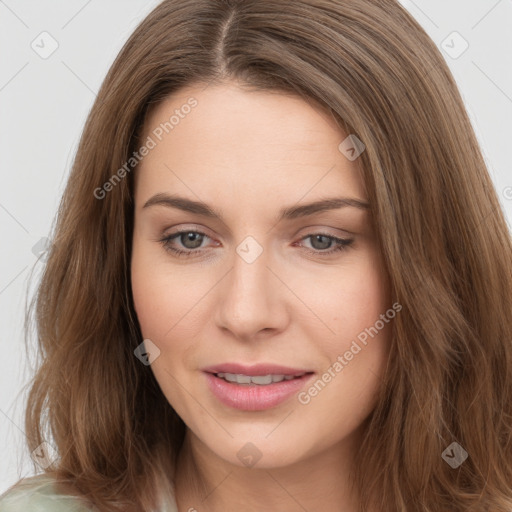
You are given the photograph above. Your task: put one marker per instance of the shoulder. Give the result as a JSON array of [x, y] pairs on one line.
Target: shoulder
[[39, 494]]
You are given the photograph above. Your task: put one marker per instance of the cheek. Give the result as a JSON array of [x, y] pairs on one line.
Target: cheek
[[152, 294], [356, 353], [149, 301], [167, 300], [345, 301]]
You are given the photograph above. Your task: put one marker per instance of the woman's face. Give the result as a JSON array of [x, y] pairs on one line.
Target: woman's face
[[305, 290]]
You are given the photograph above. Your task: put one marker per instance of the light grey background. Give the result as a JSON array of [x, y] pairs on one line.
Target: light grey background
[[44, 103]]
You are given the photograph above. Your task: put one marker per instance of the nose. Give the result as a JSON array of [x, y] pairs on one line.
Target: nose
[[251, 300]]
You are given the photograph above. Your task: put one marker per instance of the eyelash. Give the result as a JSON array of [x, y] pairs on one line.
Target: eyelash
[[342, 244]]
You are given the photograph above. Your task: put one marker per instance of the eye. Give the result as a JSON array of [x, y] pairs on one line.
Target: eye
[[191, 243], [189, 239], [323, 241]]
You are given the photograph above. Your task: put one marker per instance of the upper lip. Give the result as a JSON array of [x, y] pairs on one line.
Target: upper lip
[[255, 370]]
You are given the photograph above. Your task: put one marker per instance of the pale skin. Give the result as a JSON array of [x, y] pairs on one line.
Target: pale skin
[[248, 155]]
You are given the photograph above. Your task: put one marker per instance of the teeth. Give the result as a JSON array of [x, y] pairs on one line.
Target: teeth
[[261, 380]]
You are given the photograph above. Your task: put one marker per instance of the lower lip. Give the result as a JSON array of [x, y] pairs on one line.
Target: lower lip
[[255, 397]]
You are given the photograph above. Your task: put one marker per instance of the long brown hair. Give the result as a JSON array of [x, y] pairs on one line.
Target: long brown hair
[[443, 235]]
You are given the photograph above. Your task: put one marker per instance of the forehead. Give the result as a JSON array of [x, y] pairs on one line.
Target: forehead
[[264, 144]]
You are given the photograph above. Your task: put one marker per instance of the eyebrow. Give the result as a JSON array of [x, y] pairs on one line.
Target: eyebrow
[[288, 213]]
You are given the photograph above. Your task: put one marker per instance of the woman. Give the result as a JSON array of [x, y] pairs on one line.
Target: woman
[[280, 280]]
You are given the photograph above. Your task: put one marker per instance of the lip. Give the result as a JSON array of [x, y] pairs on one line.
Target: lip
[[255, 397], [255, 370]]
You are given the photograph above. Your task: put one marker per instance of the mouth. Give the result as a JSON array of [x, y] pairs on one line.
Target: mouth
[[255, 392], [258, 380]]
